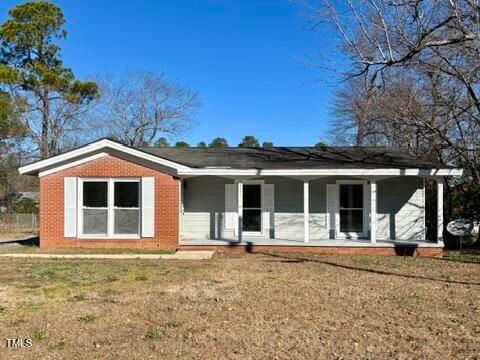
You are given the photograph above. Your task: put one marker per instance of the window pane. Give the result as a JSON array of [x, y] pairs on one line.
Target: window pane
[[126, 194], [351, 220], [95, 193], [94, 221], [126, 221], [252, 196], [252, 220], [351, 196]]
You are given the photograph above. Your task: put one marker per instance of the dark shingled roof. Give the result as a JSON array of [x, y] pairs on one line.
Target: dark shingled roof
[[293, 158]]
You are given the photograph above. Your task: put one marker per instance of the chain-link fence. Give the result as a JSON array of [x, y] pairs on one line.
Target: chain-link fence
[[19, 223]]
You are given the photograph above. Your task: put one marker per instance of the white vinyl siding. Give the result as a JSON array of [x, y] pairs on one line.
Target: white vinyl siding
[[400, 209], [331, 210], [289, 226], [230, 206], [204, 203], [268, 209]]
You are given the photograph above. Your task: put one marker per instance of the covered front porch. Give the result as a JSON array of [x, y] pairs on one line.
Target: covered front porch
[[309, 211], [321, 247]]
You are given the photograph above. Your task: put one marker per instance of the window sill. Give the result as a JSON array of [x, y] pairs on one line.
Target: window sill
[[117, 237]]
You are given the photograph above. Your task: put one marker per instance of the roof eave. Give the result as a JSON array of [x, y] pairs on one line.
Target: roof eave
[[324, 172], [37, 167]]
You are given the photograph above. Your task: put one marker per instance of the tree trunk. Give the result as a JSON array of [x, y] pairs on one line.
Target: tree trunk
[[360, 130], [45, 126], [362, 117]]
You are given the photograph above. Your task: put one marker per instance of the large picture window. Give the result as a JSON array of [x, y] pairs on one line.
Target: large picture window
[[110, 207]]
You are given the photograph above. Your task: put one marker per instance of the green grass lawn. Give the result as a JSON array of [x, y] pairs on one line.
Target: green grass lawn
[[238, 307]]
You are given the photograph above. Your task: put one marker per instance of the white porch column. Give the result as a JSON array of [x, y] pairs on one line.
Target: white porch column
[[373, 211], [306, 210], [240, 209], [440, 210]]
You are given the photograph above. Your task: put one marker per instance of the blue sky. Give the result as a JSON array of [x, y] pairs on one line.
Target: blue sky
[[246, 59]]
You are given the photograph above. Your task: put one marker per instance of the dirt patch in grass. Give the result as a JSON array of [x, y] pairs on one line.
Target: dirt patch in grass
[[242, 307]]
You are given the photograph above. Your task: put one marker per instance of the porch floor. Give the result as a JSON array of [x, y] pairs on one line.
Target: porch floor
[[312, 242]]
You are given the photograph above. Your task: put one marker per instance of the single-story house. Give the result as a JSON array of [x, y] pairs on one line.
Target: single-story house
[[322, 200]]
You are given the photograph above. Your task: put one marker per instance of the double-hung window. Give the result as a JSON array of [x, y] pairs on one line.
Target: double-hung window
[[126, 209], [95, 207], [109, 208]]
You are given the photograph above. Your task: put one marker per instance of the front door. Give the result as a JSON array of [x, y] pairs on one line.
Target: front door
[[351, 210], [252, 208]]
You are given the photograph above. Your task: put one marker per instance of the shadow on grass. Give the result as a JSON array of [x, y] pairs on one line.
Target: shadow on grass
[[465, 257], [374, 271], [460, 260], [30, 241]]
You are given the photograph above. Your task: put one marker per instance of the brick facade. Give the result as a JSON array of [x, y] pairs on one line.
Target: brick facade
[[52, 206]]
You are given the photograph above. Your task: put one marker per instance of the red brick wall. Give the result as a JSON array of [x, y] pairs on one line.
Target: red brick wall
[[52, 207]]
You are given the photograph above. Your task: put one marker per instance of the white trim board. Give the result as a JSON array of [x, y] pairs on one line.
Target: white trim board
[[322, 172]]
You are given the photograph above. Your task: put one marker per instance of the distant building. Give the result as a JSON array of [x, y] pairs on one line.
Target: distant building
[[19, 200]]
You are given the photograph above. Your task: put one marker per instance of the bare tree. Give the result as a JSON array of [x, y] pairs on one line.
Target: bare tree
[[140, 107], [351, 108], [411, 79], [433, 44]]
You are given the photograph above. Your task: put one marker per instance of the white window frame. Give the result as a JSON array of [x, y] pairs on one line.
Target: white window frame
[[262, 208], [352, 235], [110, 209]]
